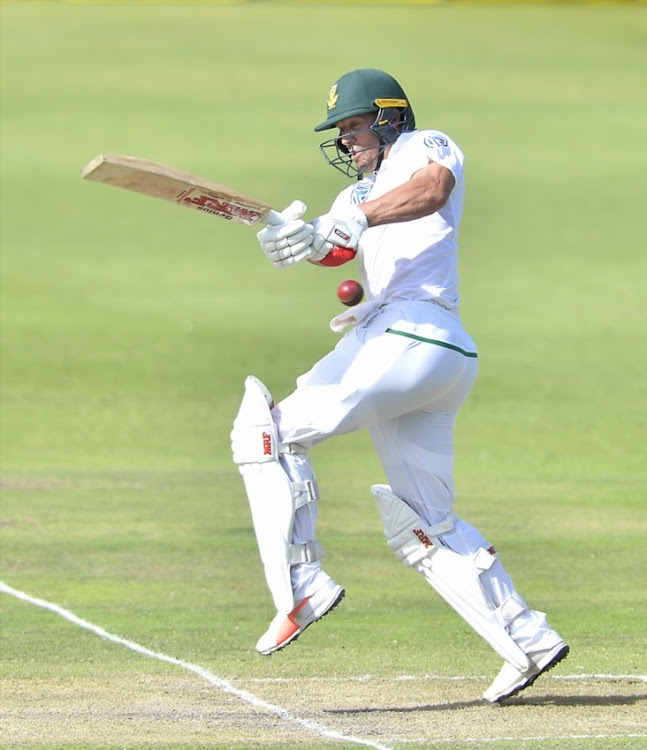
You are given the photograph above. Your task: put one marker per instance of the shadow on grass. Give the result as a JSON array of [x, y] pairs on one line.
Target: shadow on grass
[[551, 700]]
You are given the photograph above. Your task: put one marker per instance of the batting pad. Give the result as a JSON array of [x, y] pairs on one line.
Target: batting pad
[[273, 497], [455, 577]]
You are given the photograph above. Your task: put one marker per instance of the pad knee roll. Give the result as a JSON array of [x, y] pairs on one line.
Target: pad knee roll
[[254, 437]]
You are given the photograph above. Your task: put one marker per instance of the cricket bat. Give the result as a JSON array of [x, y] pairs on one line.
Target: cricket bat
[[177, 186]]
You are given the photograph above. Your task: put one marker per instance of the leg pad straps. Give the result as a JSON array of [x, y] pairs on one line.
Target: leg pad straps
[[273, 497], [456, 577], [305, 553]]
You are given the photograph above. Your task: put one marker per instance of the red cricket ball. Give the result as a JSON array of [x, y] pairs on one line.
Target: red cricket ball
[[350, 292]]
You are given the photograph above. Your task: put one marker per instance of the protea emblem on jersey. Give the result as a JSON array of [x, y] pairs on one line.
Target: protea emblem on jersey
[[361, 191], [332, 96]]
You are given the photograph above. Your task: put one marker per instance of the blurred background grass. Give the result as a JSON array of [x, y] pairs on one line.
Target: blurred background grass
[[128, 325]]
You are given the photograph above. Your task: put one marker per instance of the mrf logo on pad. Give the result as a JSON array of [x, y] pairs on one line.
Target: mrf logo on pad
[[423, 538]]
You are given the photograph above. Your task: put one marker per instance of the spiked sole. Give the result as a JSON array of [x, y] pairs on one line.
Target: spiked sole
[[559, 656], [292, 638]]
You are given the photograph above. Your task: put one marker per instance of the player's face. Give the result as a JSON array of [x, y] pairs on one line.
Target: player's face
[[361, 143]]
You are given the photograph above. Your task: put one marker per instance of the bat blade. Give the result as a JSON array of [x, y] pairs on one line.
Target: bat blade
[[177, 186]]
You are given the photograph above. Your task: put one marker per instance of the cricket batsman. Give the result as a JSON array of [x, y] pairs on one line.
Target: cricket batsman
[[402, 370]]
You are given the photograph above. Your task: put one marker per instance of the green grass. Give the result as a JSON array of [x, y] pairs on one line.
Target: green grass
[[128, 327]]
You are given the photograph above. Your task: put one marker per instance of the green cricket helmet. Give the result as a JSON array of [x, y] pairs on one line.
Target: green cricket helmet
[[361, 92]]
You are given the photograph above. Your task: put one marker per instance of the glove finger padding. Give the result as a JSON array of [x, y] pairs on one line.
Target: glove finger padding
[[304, 234], [296, 257], [290, 251], [283, 248], [288, 242], [292, 246], [295, 210], [293, 228]]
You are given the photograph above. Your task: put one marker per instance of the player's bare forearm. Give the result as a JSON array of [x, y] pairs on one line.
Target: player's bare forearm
[[425, 193]]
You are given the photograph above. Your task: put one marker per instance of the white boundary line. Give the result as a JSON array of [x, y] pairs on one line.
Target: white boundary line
[[211, 678], [282, 713]]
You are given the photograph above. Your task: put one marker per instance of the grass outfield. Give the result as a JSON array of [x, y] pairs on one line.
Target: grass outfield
[[128, 326]]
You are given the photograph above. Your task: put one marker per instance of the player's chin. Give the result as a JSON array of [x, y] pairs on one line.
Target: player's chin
[[365, 162]]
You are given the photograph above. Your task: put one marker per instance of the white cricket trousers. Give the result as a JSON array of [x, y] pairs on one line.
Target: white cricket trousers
[[403, 373]]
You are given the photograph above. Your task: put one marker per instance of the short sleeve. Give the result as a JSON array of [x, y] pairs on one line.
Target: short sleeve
[[441, 149]]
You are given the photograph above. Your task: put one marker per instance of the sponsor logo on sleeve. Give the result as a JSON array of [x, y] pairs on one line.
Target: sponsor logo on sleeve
[[436, 142]]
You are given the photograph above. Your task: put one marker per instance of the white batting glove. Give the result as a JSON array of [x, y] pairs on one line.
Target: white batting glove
[[343, 228], [290, 241]]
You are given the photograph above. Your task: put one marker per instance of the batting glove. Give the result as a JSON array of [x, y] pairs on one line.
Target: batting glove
[[343, 228], [290, 241]]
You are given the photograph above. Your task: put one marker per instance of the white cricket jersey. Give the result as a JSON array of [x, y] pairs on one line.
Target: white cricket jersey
[[414, 260]]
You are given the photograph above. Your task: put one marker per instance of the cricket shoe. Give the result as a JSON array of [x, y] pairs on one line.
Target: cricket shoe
[[287, 628], [511, 681]]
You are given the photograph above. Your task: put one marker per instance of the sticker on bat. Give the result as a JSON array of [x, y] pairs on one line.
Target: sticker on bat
[[214, 205]]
